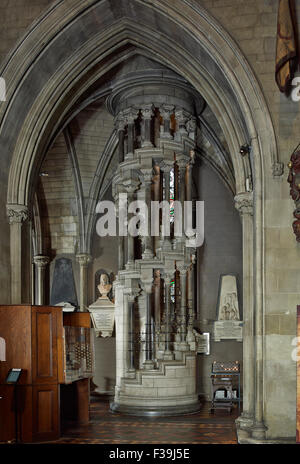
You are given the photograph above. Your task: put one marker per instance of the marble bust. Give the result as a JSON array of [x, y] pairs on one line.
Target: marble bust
[[104, 287]]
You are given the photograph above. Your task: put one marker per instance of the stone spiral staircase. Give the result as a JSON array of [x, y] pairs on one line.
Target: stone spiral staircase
[[170, 389]]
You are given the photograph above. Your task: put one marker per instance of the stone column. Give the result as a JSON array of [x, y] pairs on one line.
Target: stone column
[[244, 204], [130, 116], [130, 300], [165, 112], [156, 195], [147, 113], [130, 186], [166, 167], [147, 179], [121, 242], [183, 309], [148, 364], [120, 127], [189, 177], [41, 263], [17, 216], [157, 299], [168, 355], [191, 313], [182, 161], [84, 260]]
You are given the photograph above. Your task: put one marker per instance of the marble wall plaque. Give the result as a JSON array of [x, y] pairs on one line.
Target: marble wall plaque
[[228, 330], [63, 284], [203, 346], [103, 317]]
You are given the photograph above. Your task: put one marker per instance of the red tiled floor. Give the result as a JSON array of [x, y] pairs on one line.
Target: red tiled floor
[[108, 428]]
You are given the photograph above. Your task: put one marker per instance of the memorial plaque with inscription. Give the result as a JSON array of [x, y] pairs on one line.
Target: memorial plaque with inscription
[[103, 321], [203, 343], [228, 330]]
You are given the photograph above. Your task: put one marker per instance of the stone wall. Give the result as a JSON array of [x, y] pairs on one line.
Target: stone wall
[[58, 201], [220, 254], [16, 17]]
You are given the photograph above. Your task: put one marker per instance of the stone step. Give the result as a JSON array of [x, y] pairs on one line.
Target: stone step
[[169, 374]]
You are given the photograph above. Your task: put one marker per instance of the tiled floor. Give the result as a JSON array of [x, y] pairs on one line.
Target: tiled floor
[[108, 428]]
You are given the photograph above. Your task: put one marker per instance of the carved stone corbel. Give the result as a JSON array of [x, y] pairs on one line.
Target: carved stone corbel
[[244, 203]]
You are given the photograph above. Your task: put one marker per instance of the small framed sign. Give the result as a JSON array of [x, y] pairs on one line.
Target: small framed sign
[[13, 376]]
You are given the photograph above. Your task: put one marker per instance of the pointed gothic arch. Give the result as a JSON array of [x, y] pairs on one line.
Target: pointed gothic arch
[[94, 36]]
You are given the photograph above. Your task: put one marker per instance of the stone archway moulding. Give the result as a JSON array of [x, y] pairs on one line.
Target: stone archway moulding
[[43, 85]]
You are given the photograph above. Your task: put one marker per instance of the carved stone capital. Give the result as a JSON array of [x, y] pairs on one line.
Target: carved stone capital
[[147, 111], [166, 111], [17, 214], [181, 115], [182, 271], [83, 259], [244, 203], [182, 161], [41, 261], [166, 166], [147, 175], [130, 114], [131, 185]]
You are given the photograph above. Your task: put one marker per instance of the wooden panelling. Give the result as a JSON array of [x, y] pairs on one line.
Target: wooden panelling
[[34, 343], [77, 319], [15, 328], [75, 401], [23, 397], [7, 418], [45, 412], [44, 345]]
